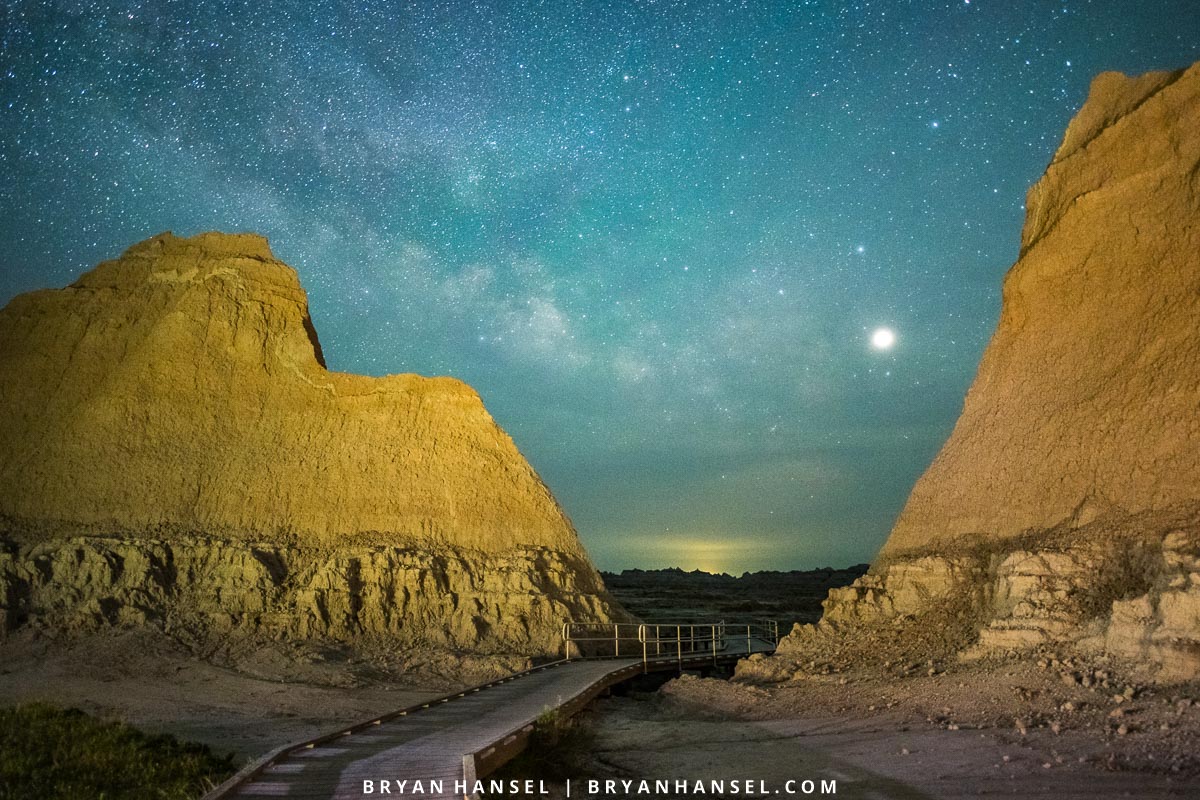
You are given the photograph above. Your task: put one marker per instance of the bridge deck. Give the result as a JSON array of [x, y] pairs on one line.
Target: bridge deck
[[429, 743]]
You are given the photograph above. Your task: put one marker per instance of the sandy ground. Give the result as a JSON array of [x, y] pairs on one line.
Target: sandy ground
[[979, 730], [1026, 727], [882, 756], [153, 683]]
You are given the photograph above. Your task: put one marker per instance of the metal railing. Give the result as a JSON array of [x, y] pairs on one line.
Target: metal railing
[[662, 640], [601, 639]]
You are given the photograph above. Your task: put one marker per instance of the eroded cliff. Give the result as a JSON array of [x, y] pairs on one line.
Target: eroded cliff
[[1064, 506], [174, 450]]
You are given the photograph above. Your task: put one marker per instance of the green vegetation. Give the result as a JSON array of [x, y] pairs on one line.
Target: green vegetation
[[48, 753], [547, 722], [558, 749]]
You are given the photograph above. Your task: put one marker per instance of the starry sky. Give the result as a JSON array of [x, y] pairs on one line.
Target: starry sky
[[656, 236]]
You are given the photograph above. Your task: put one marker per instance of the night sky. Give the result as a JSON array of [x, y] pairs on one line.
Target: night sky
[[657, 237]]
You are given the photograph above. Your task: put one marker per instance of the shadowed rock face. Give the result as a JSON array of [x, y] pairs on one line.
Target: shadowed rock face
[[178, 395], [1065, 503]]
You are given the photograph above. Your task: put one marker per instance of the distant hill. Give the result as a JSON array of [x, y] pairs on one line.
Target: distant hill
[[673, 594]]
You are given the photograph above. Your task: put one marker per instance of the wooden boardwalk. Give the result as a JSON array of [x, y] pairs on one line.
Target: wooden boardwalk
[[458, 738]]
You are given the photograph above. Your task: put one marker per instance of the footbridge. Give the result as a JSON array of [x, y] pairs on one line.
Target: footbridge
[[450, 742]]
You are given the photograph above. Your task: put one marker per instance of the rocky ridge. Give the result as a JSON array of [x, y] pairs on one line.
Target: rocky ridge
[[1063, 508], [173, 451], [770, 595], [196, 588]]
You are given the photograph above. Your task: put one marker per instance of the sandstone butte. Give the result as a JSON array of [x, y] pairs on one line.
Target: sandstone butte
[[173, 451], [1065, 506]]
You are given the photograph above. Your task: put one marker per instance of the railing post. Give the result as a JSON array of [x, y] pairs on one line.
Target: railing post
[[642, 636], [616, 638], [657, 642], [679, 645], [747, 640], [469, 776], [714, 643]]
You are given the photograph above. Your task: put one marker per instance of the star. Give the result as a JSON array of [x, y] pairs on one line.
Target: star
[[883, 339], [489, 191]]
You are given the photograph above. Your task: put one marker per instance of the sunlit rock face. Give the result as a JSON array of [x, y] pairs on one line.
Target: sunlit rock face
[[195, 587], [175, 402], [1086, 399], [1067, 498]]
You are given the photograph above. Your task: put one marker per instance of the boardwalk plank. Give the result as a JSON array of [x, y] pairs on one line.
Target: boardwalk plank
[[429, 743]]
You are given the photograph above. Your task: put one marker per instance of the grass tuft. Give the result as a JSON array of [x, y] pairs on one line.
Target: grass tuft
[[48, 753], [558, 750]]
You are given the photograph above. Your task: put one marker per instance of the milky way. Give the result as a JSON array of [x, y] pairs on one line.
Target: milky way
[[655, 236]]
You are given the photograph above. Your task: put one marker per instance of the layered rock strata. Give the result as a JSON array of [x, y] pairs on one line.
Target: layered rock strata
[[173, 447], [196, 588], [1065, 504]]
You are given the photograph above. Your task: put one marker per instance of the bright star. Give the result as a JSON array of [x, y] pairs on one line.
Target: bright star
[[883, 339]]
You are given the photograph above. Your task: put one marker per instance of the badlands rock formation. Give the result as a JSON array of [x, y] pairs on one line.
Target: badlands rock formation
[[173, 449], [1066, 503]]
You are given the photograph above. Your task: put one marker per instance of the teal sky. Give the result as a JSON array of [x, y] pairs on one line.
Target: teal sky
[[655, 236]]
